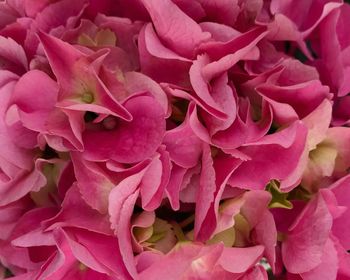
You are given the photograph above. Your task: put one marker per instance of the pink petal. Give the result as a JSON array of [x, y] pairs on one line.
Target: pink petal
[[93, 183], [131, 141]]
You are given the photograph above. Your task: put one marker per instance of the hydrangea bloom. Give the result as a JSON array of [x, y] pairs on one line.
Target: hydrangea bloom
[[171, 139]]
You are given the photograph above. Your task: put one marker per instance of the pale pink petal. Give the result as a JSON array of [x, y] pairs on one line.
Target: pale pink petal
[[302, 252], [340, 228], [328, 267], [93, 182], [239, 260]]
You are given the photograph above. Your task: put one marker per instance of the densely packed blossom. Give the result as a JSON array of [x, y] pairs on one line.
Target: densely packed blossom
[[174, 139]]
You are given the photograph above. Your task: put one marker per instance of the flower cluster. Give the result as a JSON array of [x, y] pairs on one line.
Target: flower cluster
[[174, 139]]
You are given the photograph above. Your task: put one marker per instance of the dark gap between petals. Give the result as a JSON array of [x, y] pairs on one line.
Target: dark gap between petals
[[49, 153], [90, 116]]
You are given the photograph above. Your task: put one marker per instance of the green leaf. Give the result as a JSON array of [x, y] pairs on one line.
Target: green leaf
[[279, 199]]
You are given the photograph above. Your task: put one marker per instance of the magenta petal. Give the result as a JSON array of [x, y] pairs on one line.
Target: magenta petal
[[97, 251], [125, 29], [191, 8], [160, 63], [183, 145], [154, 181], [62, 65], [13, 57], [318, 9], [120, 193], [179, 31], [256, 273], [42, 116], [206, 191], [23, 183], [266, 235], [76, 73], [208, 209], [124, 233], [64, 263], [35, 111], [131, 141], [200, 86], [242, 44], [303, 98], [137, 82], [287, 146], [32, 8], [219, 32], [121, 204], [343, 260], [302, 252], [224, 96], [10, 214], [173, 188], [29, 232], [228, 54], [222, 11]]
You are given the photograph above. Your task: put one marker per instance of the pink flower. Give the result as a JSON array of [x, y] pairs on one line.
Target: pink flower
[[173, 139]]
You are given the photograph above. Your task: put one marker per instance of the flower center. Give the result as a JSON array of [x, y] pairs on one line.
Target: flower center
[[87, 97]]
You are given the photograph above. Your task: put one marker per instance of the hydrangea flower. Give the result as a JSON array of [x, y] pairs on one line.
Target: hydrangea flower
[[170, 139]]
